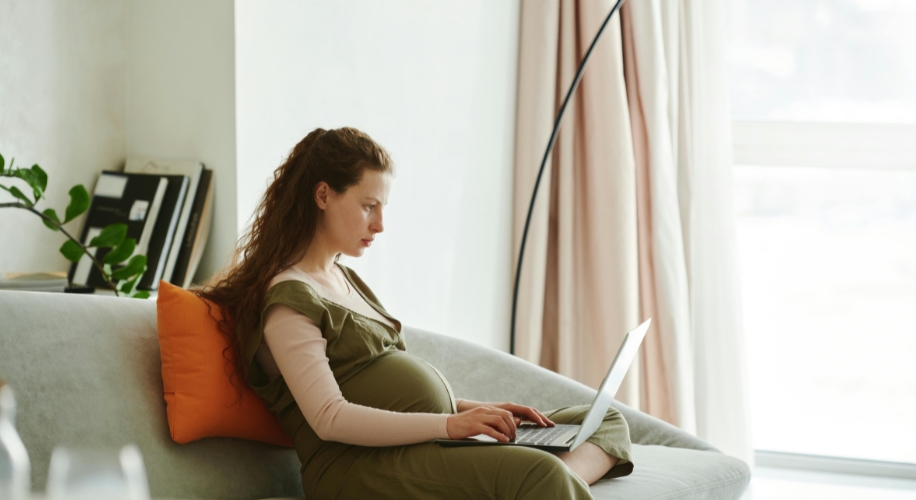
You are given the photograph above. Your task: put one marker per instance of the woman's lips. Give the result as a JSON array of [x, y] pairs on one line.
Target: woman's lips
[[367, 242]]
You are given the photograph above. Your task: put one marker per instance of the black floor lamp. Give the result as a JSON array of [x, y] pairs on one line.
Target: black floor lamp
[[537, 182]]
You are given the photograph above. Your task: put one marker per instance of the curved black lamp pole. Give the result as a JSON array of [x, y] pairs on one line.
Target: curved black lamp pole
[[537, 183]]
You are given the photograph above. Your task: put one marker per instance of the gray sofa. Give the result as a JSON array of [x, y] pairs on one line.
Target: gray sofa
[[86, 372]]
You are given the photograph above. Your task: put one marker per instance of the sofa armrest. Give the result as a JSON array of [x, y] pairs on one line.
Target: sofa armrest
[[484, 374]]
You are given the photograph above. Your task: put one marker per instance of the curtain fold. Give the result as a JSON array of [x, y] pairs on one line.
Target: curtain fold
[[579, 283], [634, 217], [668, 356]]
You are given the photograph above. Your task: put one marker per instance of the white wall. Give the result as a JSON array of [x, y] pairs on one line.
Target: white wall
[[85, 84], [433, 82], [180, 99], [62, 107]]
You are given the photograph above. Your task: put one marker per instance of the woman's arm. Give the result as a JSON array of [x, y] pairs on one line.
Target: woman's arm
[[299, 349]]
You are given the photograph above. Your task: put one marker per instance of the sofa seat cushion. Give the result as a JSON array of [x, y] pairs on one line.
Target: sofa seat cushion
[[663, 473]]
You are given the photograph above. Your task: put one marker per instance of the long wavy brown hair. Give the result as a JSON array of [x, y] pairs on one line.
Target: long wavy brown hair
[[284, 225]]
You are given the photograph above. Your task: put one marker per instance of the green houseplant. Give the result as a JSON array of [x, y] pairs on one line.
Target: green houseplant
[[120, 267]]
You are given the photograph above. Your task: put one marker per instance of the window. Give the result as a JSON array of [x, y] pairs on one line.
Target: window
[[823, 96]]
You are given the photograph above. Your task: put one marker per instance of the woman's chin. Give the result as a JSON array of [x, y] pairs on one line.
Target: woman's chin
[[358, 252]]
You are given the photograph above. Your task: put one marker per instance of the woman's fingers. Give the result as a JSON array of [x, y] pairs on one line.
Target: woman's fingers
[[531, 414], [510, 422], [507, 417], [546, 420], [497, 422], [493, 433]]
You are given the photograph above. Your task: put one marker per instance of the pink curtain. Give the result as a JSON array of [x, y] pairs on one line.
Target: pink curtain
[[579, 284], [634, 217]]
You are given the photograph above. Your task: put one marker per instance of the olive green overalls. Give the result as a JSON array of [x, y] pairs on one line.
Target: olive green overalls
[[372, 367]]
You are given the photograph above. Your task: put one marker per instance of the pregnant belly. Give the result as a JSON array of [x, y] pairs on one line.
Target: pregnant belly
[[399, 381]]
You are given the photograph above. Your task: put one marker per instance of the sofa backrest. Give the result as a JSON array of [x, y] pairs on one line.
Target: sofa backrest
[[483, 374], [86, 372]]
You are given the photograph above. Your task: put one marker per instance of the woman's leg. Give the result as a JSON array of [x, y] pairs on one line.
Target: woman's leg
[[606, 454], [588, 461], [480, 472]]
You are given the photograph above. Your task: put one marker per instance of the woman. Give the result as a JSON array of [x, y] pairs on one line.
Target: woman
[[315, 343]]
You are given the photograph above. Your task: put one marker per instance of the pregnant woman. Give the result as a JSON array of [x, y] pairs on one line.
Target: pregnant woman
[[316, 344]]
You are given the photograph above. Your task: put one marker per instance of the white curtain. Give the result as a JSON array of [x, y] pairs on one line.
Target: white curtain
[[694, 374]]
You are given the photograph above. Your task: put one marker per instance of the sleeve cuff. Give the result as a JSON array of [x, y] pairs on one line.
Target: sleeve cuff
[[443, 427]]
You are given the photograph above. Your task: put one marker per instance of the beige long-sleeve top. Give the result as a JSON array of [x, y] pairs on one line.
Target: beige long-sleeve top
[[295, 348]]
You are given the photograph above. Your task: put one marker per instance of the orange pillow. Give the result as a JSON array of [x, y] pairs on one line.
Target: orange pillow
[[200, 400]]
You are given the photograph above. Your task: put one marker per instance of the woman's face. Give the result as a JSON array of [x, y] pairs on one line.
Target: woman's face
[[351, 219]]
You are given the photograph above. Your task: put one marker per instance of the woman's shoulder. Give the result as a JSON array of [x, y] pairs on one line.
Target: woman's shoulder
[[289, 289]]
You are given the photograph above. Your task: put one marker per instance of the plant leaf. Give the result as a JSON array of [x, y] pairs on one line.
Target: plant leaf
[[71, 251], [121, 252], [51, 214], [111, 236], [18, 194], [41, 177], [142, 294], [79, 203], [29, 176], [2, 163], [136, 265], [130, 286]]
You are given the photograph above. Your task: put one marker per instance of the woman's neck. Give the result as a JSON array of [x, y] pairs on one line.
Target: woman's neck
[[318, 259]]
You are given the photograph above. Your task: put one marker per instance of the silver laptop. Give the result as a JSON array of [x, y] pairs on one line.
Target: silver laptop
[[565, 437]]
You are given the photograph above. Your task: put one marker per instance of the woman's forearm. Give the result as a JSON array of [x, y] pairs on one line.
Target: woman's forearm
[[466, 404]]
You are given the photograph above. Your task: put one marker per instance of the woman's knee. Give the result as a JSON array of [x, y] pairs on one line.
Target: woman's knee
[[612, 414], [549, 477]]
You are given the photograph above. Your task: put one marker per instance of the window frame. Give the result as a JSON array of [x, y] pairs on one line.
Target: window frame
[[840, 145], [830, 145]]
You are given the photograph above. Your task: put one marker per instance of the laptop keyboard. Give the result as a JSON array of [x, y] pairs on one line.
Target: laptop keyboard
[[543, 435]]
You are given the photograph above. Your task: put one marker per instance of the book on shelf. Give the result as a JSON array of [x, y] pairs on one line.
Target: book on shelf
[[167, 206], [196, 234], [160, 242], [188, 168], [131, 199], [194, 223]]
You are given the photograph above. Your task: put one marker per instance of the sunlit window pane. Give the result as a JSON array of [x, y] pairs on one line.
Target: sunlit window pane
[[828, 261], [823, 60]]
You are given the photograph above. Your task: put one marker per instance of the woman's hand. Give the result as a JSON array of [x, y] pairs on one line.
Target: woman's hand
[[497, 423], [465, 426], [525, 412]]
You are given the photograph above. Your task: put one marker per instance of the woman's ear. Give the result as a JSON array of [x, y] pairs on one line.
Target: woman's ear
[[322, 191]]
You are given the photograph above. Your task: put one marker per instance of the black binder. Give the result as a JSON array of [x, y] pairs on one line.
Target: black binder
[[192, 238], [164, 231], [130, 192]]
